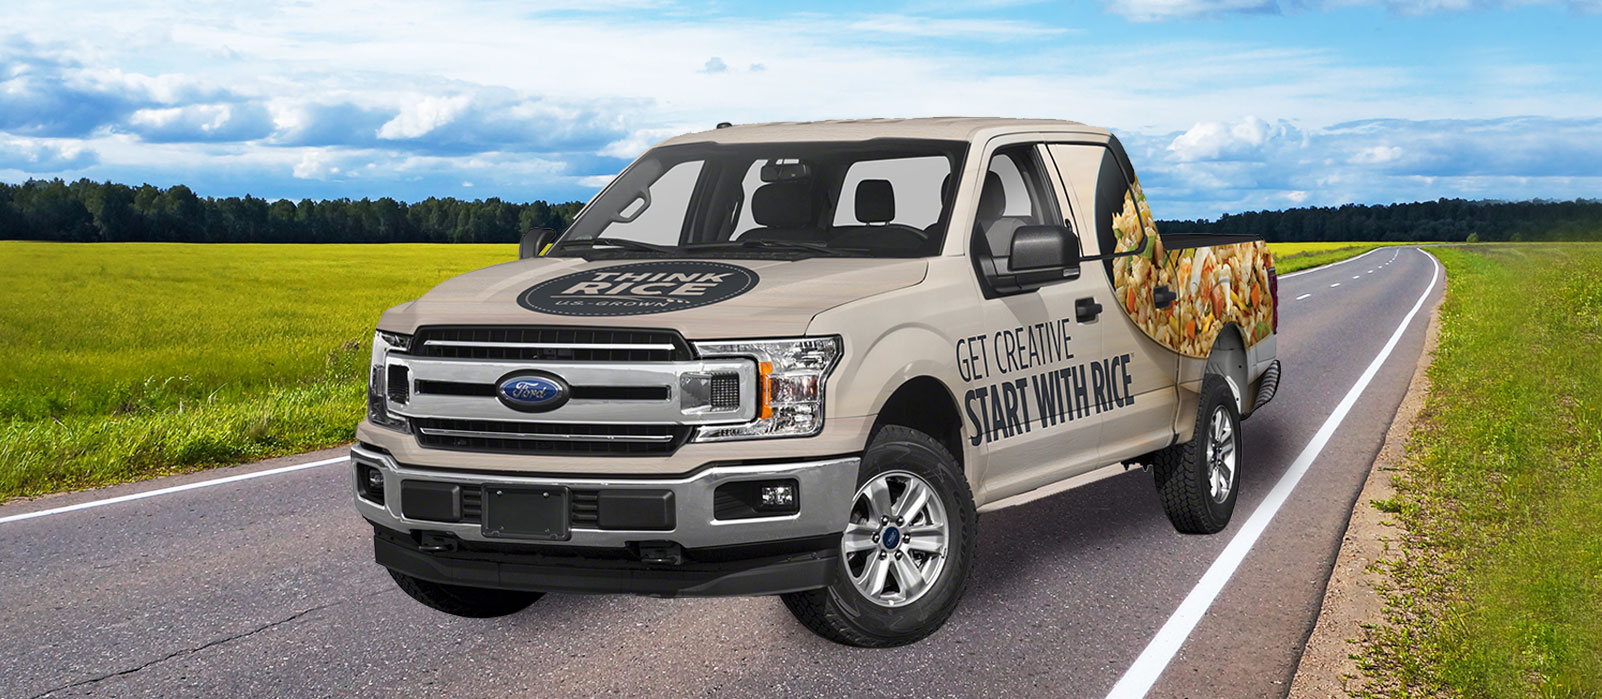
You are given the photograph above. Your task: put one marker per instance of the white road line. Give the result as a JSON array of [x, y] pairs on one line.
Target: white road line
[[173, 489], [1140, 676], [1332, 264], [1303, 296], [1334, 285]]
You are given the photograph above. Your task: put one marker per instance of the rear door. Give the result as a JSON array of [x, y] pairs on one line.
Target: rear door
[[1116, 228]]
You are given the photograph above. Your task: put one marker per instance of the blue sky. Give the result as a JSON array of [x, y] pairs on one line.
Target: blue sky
[[1225, 105]]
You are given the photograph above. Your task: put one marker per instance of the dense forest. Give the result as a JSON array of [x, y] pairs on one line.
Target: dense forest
[[1452, 220], [103, 211], [95, 211]]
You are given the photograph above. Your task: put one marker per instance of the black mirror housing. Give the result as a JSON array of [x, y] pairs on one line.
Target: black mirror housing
[[534, 242], [1037, 248]]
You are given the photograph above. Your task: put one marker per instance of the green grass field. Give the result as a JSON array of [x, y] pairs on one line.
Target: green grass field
[[128, 360], [1497, 591], [1294, 257], [123, 361]]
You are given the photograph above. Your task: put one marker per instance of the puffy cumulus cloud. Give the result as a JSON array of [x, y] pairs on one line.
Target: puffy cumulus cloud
[[1218, 167], [36, 156], [338, 123], [43, 93], [1159, 10], [1249, 139], [200, 123], [503, 121]]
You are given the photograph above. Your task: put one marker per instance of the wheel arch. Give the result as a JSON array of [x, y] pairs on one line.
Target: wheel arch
[[924, 403], [1228, 359]]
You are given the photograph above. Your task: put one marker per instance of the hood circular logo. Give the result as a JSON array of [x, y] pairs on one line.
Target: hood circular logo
[[532, 392], [639, 288]]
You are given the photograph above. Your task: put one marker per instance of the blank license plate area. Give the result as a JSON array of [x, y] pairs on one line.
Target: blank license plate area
[[525, 513]]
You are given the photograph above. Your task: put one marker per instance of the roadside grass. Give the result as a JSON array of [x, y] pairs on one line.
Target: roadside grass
[[1496, 590], [1294, 257], [125, 361]]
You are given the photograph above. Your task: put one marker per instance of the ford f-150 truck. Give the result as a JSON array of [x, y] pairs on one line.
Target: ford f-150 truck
[[799, 359]]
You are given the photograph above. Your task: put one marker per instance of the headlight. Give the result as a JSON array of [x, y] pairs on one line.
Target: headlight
[[790, 379], [387, 384]]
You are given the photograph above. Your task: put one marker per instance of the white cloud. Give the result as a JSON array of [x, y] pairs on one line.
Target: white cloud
[[1375, 155], [715, 65], [423, 116], [1243, 140]]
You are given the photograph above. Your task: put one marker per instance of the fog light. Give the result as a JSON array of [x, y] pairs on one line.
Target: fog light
[[778, 496], [370, 483]]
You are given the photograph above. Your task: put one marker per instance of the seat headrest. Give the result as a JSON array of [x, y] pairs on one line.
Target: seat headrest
[[876, 201], [782, 205], [993, 198]]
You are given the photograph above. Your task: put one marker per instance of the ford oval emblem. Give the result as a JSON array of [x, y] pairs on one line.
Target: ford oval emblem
[[532, 392]]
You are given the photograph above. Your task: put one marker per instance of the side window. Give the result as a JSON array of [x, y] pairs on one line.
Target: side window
[[915, 190], [1079, 166], [1014, 195], [658, 216]]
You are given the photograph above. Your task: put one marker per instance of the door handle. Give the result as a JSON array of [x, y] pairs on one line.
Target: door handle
[[1086, 309], [1162, 296]]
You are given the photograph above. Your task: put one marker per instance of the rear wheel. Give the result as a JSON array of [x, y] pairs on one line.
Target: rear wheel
[[472, 602], [906, 551], [1198, 480]]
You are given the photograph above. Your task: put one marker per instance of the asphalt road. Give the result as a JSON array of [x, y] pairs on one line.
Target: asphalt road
[[266, 586]]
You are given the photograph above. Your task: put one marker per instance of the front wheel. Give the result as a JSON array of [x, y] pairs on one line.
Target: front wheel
[[1198, 480], [906, 551]]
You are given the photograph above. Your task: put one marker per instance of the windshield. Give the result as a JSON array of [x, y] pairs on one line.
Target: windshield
[[880, 198]]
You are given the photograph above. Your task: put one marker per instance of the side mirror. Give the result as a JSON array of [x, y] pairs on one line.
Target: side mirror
[[1039, 248], [534, 242]]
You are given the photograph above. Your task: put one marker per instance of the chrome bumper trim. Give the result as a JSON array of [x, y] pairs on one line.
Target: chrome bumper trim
[[826, 489]]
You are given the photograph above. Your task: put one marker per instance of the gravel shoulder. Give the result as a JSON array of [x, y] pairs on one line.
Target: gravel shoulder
[[1351, 600]]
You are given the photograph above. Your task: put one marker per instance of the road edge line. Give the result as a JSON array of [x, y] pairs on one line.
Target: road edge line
[[171, 490], [1328, 265], [1160, 651]]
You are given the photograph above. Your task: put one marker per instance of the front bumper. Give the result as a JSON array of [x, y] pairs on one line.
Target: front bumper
[[768, 568], [692, 553]]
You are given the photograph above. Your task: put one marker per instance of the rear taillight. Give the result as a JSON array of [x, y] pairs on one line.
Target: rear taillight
[[1273, 293]]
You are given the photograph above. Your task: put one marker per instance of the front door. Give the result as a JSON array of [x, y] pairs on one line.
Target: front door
[[1035, 396]]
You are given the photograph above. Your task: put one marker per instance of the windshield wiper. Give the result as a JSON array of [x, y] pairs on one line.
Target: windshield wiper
[[780, 245], [624, 243]]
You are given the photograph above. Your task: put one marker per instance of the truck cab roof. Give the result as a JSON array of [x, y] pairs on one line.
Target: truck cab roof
[[933, 128]]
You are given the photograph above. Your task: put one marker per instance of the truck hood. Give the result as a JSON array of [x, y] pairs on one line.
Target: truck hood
[[711, 298]]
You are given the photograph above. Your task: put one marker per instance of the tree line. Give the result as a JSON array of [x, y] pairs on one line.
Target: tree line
[[1442, 220], [88, 211]]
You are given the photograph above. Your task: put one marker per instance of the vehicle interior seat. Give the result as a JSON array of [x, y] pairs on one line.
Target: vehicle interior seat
[[989, 223], [784, 211], [876, 209]]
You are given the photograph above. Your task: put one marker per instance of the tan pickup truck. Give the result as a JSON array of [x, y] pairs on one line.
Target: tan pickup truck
[[799, 359]]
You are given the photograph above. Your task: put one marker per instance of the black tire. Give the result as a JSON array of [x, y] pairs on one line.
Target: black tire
[[842, 614], [470, 602], [1182, 472]]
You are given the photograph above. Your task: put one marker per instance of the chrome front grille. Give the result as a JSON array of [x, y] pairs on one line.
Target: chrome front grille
[[548, 438], [634, 392], [551, 344]]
